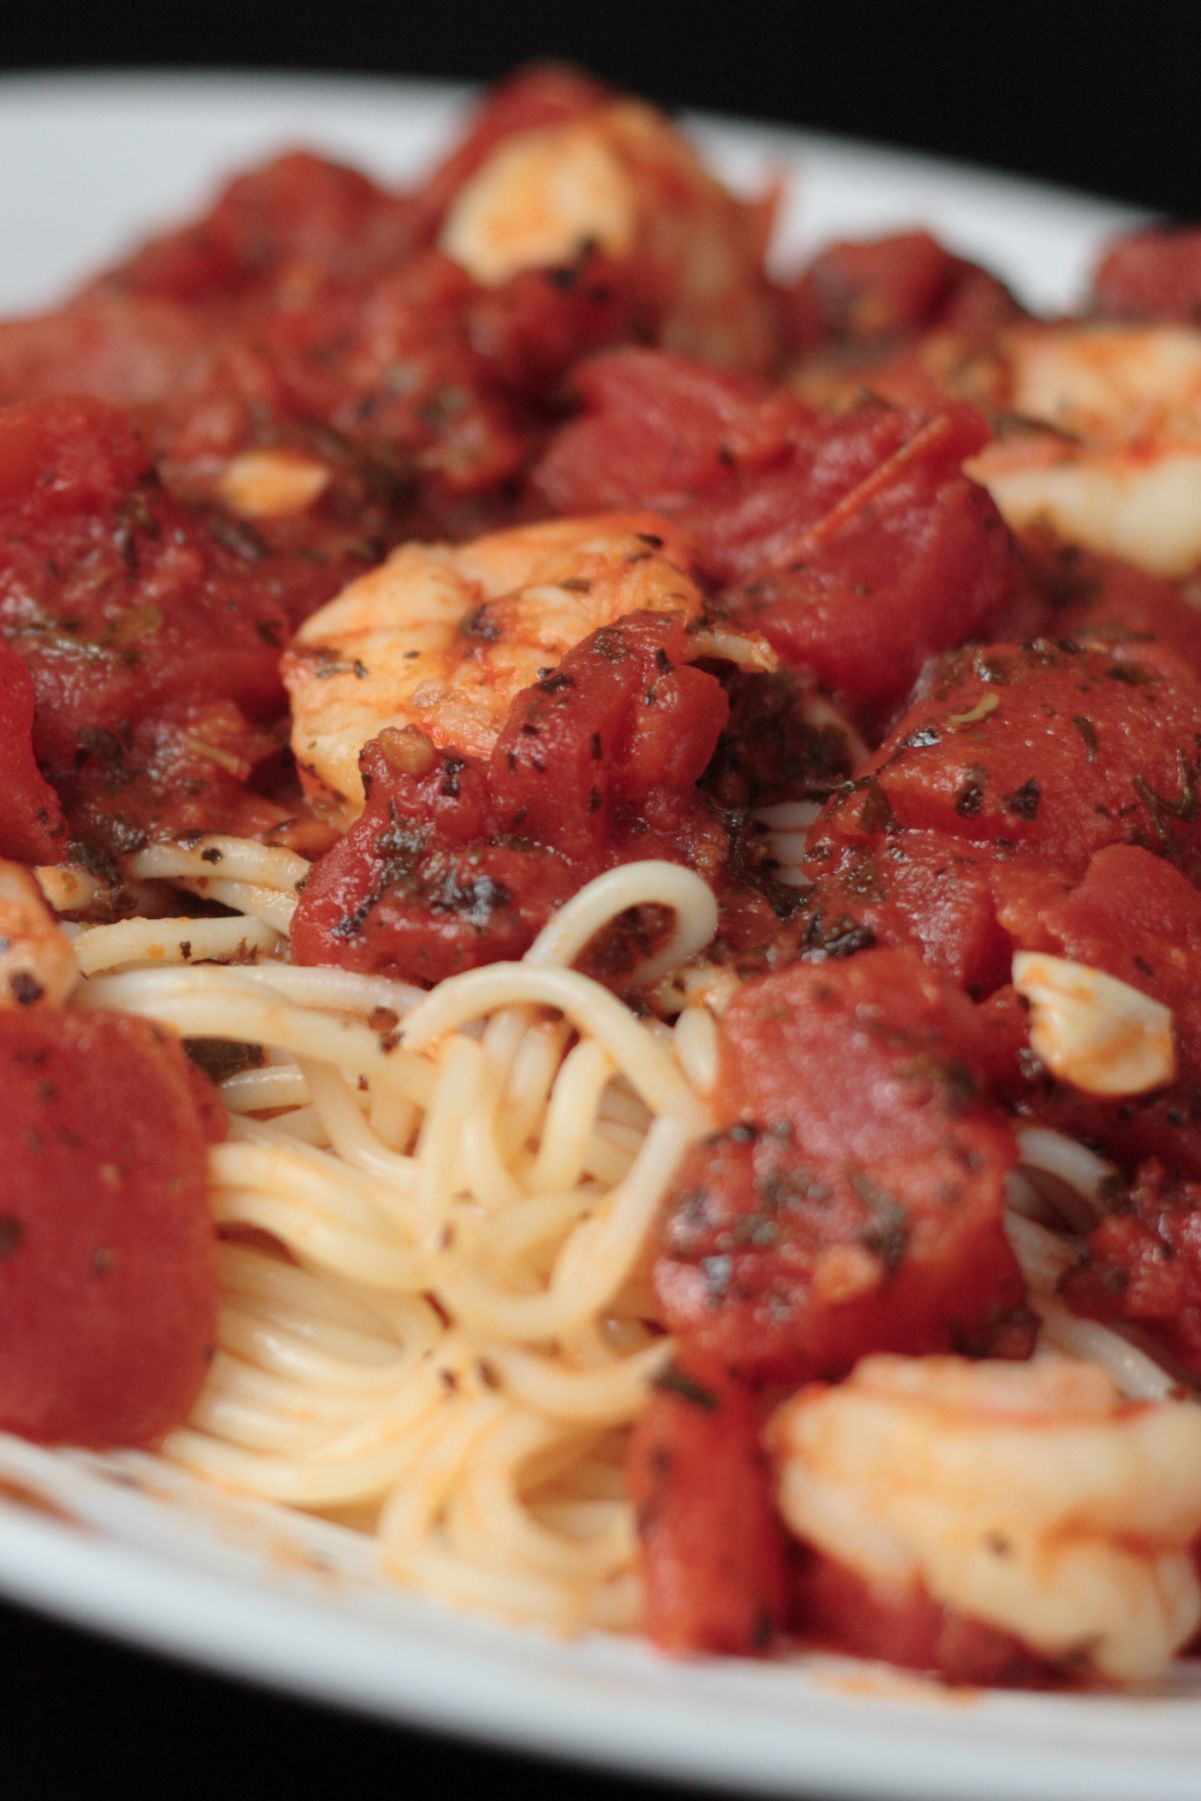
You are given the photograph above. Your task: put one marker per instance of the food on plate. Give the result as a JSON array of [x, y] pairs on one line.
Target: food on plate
[[1103, 445], [622, 178], [935, 1474], [599, 916], [443, 637]]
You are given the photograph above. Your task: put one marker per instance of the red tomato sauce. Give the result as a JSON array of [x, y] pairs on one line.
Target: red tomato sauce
[[455, 862], [852, 1201], [1154, 273], [902, 1625], [108, 1292], [714, 1551], [854, 543]]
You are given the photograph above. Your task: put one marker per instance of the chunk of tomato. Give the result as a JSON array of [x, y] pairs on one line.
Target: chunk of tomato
[[853, 1202], [1154, 273], [1045, 748], [32, 828], [712, 1543], [116, 599], [853, 542], [107, 1282]]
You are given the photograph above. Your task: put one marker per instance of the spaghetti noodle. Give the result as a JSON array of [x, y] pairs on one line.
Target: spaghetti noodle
[[435, 1325], [457, 1334]]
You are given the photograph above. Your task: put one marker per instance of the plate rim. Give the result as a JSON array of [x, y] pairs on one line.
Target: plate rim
[[111, 1587], [68, 78]]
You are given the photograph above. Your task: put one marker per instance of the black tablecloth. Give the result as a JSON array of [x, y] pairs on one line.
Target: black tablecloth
[[84, 1716]]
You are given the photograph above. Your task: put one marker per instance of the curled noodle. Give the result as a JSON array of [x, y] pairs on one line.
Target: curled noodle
[[435, 1319], [434, 1210]]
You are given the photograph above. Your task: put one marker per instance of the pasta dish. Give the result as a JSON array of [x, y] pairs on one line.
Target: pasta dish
[[599, 917]]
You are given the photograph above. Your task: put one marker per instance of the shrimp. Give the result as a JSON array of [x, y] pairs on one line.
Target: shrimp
[[622, 181], [444, 636], [1102, 439], [1030, 1497], [37, 963]]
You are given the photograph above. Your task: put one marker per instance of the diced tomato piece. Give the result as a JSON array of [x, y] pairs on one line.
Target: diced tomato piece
[[298, 212], [532, 329], [198, 766], [419, 887], [878, 290], [1143, 1263], [588, 746], [117, 601], [455, 862], [654, 424], [107, 1280], [858, 545], [392, 366], [909, 854], [854, 1201], [1102, 601], [127, 351], [1132, 915], [1154, 273], [913, 566], [902, 1625], [32, 828], [1137, 918], [712, 1543], [1046, 748], [920, 888]]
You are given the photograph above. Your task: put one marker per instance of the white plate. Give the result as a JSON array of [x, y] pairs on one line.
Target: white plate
[[128, 1546]]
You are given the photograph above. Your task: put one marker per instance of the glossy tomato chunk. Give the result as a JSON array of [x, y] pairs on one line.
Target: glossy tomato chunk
[[853, 1201], [115, 599], [881, 290], [129, 351], [107, 1282], [853, 542], [1105, 602], [1138, 918], [920, 888], [456, 862], [32, 828], [1142, 1264], [1132, 915], [713, 1558], [591, 745], [125, 611], [298, 213], [1154, 273], [1047, 749], [420, 886]]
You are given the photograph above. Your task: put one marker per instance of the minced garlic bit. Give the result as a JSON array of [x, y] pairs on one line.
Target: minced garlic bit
[[271, 484], [1091, 1030]]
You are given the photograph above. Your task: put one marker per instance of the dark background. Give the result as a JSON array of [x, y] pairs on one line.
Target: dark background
[[1102, 96]]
